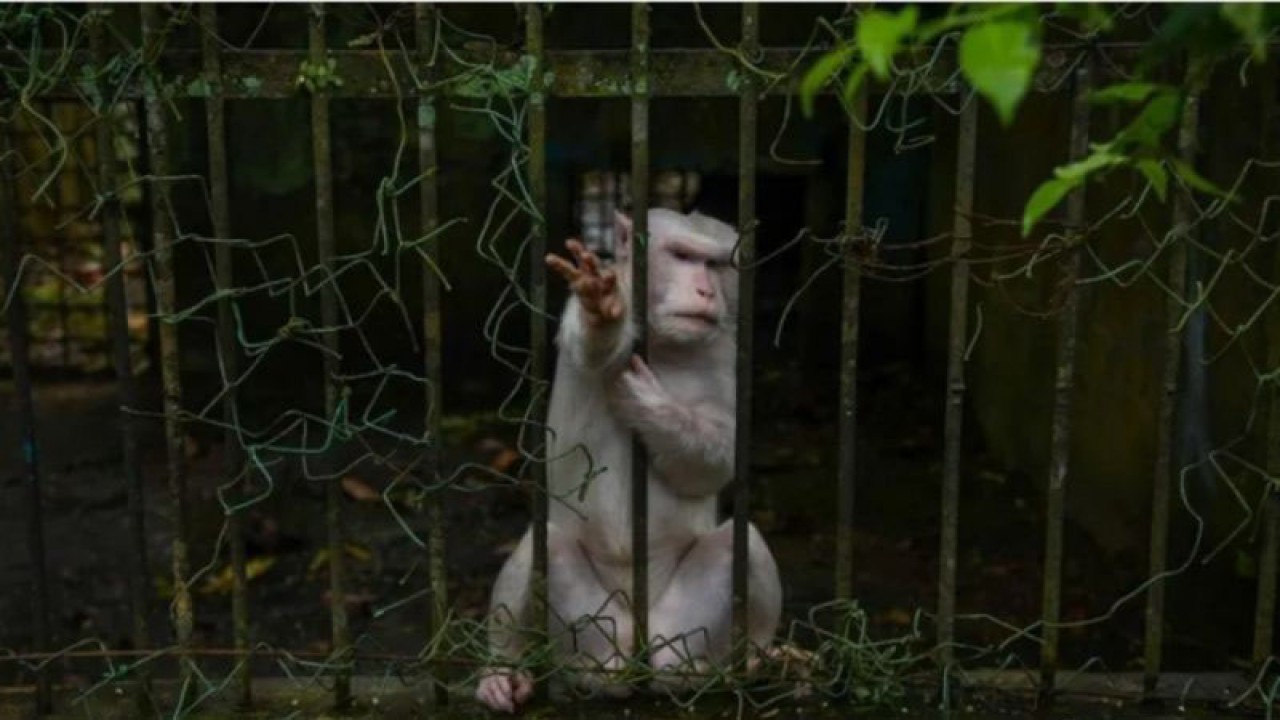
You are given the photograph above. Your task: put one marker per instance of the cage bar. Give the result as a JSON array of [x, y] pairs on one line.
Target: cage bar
[[1264, 617], [1064, 388], [538, 366], [640, 299], [62, 119], [747, 130], [139, 573], [233, 456], [962, 239], [846, 470], [153, 33], [425, 25], [341, 651], [19, 352], [1183, 215]]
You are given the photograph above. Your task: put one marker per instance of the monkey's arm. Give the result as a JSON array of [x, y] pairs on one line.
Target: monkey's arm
[[691, 446], [594, 346]]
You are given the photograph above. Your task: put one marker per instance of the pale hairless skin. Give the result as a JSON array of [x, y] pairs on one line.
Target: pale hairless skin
[[681, 404]]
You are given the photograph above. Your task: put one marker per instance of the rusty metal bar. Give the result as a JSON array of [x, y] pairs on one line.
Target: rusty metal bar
[[139, 575], [216, 127], [1265, 613], [849, 319], [747, 130], [255, 74], [962, 232], [19, 351], [1183, 215], [640, 299], [153, 34], [323, 164], [62, 200], [538, 366], [1063, 389], [429, 201]]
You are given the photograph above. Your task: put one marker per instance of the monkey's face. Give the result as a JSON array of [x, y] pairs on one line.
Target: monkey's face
[[691, 288]]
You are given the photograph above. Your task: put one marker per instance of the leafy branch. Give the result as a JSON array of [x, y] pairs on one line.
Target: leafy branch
[[999, 52]]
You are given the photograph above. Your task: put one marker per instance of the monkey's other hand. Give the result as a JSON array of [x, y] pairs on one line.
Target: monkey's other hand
[[596, 287], [637, 392], [502, 690]]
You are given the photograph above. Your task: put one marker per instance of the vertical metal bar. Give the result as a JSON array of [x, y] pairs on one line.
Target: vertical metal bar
[[640, 298], [62, 200], [1183, 210], [10, 252], [170, 367], [429, 201], [323, 163], [537, 175], [849, 320], [962, 231], [1064, 387], [1264, 617], [139, 575], [216, 126], [747, 128]]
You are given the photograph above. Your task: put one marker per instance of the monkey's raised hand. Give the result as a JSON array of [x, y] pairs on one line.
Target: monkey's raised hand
[[596, 287]]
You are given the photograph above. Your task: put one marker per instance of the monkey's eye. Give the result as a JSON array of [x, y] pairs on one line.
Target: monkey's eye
[[681, 255]]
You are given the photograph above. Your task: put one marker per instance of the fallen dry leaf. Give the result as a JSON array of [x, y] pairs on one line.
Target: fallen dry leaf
[[504, 460], [357, 490]]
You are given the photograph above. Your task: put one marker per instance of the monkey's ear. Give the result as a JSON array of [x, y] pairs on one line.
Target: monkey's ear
[[621, 236]]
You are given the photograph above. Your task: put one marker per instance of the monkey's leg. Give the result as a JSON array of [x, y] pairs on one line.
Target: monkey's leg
[[501, 687], [691, 621], [592, 625]]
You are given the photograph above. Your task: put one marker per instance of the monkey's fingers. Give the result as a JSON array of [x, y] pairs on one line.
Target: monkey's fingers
[[590, 263], [608, 280], [614, 307], [576, 249], [496, 692], [523, 687], [563, 268]]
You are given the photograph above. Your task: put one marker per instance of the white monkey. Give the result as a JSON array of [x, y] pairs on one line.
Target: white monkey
[[682, 405]]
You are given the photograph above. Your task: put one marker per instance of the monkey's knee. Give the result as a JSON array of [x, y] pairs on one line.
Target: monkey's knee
[[764, 609]]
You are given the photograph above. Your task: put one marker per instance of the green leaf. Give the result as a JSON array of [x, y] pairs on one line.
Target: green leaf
[[1248, 19], [880, 33], [1076, 172], [819, 73], [1044, 199], [1156, 175], [1156, 118], [999, 59], [1195, 179], [852, 82], [1093, 17], [1134, 92]]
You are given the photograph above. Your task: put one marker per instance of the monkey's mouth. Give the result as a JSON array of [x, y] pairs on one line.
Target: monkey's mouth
[[705, 318]]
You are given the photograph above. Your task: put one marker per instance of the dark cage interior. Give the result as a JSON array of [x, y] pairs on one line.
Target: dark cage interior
[[271, 408]]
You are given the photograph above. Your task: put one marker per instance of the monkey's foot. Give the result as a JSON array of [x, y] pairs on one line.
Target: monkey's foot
[[503, 690]]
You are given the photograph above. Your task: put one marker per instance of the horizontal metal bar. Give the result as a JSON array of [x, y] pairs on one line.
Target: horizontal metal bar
[[573, 73]]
